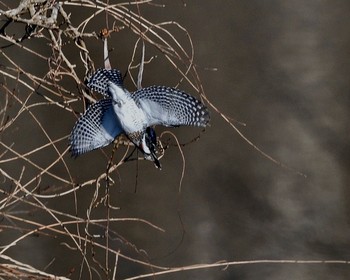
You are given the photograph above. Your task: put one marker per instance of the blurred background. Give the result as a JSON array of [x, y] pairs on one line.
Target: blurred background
[[281, 68]]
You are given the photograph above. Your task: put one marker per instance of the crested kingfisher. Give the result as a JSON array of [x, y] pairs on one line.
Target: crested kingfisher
[[133, 114]]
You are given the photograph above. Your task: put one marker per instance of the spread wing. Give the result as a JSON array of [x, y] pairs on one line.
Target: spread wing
[[171, 107], [99, 80], [96, 128]]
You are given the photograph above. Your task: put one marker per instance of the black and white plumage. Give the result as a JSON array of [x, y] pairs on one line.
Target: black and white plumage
[[132, 114], [96, 128]]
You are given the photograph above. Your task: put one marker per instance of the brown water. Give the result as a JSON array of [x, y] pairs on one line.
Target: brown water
[[283, 70]]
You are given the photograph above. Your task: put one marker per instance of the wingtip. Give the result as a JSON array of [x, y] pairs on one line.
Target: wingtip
[[73, 152], [205, 117]]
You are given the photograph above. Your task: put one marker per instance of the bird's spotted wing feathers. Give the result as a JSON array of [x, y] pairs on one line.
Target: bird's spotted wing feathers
[[97, 128], [99, 81], [161, 105], [171, 107]]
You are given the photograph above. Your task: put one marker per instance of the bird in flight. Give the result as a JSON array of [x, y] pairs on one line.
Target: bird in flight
[[133, 114]]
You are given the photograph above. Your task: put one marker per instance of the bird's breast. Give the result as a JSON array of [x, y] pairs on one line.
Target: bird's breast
[[131, 117]]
